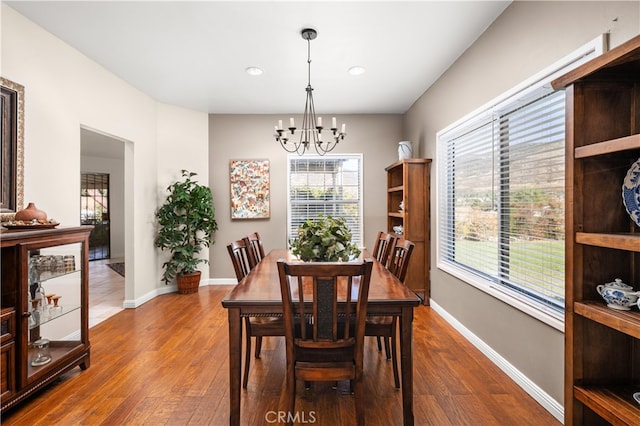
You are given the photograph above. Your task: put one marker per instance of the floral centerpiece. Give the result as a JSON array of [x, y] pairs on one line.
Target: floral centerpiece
[[324, 239]]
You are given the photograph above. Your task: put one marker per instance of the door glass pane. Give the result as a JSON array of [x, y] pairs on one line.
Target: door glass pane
[[94, 205]]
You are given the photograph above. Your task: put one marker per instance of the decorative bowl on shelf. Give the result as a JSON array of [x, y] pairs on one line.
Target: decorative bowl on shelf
[[631, 192], [33, 224]]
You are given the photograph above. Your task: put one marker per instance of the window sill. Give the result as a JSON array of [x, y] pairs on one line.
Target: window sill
[[540, 312]]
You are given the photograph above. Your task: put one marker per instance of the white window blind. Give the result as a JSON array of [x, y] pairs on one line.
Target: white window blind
[[330, 185], [502, 198]]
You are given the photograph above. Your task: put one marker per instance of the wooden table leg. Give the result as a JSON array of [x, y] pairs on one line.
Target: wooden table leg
[[235, 347], [406, 364]]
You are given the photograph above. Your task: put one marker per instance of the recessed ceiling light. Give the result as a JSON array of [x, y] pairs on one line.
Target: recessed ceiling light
[[356, 70], [254, 71]]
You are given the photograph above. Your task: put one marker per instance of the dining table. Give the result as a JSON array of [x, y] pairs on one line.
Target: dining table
[[258, 294]]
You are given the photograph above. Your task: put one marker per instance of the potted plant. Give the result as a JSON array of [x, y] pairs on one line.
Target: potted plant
[[186, 222], [324, 239]]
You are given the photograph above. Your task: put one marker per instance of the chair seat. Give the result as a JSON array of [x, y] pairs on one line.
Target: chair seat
[[266, 320], [265, 326], [379, 320], [333, 371]]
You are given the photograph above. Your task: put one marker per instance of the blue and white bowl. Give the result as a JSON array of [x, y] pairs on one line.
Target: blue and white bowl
[[631, 192]]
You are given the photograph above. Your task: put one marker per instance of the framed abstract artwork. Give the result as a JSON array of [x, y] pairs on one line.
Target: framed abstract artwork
[[250, 189]]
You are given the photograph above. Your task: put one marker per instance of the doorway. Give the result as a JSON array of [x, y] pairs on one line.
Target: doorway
[[103, 166]]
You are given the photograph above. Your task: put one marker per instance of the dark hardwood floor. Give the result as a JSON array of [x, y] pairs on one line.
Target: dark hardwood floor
[[166, 363]]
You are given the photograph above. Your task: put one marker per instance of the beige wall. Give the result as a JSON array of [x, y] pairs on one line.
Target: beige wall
[[234, 137], [65, 90], [525, 39]]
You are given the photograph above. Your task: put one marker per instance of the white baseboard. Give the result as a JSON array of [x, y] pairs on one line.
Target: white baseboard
[[220, 281], [134, 303], [550, 404]]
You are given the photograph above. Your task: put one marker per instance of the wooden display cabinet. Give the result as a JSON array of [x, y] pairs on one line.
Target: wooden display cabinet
[[602, 345], [42, 269], [408, 182]]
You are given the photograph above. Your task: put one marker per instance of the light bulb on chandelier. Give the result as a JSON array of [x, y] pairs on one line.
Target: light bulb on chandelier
[[311, 130]]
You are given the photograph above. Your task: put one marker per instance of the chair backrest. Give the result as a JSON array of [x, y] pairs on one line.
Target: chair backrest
[[312, 290], [256, 250], [382, 247], [399, 258], [239, 254]]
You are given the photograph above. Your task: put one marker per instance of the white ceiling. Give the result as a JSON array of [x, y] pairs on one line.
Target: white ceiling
[[194, 54]]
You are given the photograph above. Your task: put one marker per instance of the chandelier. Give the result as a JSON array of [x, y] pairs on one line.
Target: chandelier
[[311, 130]]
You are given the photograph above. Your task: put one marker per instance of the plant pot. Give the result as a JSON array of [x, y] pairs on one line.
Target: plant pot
[[189, 283]]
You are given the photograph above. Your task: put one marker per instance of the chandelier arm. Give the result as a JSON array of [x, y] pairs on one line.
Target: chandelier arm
[[293, 147], [324, 147], [286, 147]]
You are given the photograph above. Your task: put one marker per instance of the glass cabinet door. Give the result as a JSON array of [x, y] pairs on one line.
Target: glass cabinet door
[[54, 299]]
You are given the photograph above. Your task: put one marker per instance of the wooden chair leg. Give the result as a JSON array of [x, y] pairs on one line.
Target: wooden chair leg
[[247, 353], [359, 400], [290, 396], [387, 349], [379, 344], [258, 346]]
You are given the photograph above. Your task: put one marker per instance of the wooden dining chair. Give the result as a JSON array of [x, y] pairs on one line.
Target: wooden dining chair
[[239, 254], [382, 247], [399, 259], [256, 249], [381, 251], [258, 327], [385, 327], [324, 324]]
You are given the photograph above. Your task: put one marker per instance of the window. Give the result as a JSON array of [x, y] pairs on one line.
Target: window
[[330, 185], [504, 203], [501, 196]]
